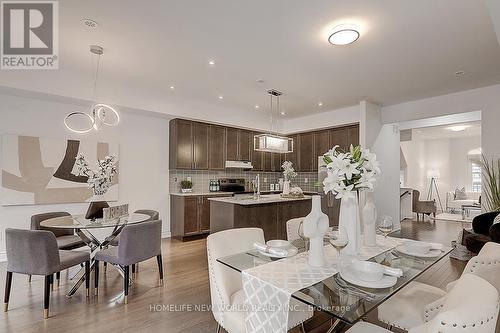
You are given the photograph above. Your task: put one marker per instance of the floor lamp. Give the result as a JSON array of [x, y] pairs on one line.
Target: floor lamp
[[433, 174]]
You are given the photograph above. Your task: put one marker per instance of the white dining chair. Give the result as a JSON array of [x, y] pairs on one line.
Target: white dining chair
[[405, 309], [292, 229], [470, 306], [226, 291]]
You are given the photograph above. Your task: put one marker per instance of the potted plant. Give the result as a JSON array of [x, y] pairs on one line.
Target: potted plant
[[491, 177], [186, 186], [289, 173]]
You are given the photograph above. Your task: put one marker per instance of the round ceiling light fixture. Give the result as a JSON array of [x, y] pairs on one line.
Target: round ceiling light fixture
[[344, 35]]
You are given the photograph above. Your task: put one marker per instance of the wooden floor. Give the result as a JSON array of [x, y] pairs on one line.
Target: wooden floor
[[185, 265]]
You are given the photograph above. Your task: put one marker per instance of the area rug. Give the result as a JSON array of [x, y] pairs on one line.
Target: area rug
[[453, 217]]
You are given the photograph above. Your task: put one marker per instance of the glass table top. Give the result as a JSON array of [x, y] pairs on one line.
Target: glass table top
[[331, 296], [80, 222]]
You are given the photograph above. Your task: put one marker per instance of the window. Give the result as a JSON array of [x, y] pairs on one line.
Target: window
[[476, 178]]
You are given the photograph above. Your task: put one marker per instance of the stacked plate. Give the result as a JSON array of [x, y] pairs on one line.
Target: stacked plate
[[420, 249], [277, 249], [370, 274]]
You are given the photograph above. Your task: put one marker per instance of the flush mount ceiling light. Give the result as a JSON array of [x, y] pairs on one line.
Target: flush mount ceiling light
[[99, 114], [458, 128], [320, 104], [344, 35], [211, 63], [272, 142]]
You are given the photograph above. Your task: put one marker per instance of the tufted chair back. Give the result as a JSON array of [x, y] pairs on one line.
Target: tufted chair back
[[486, 264], [470, 306], [292, 228], [225, 281]]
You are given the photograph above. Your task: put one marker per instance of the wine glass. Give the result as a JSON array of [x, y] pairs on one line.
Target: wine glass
[[338, 238], [386, 225]]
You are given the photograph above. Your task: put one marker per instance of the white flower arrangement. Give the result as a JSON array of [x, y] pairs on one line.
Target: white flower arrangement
[[288, 170], [350, 172], [100, 180]]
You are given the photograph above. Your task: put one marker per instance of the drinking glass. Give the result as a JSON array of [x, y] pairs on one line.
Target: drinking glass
[[386, 225], [339, 238]]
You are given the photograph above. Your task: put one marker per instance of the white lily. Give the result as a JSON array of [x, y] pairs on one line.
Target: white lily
[[346, 192]]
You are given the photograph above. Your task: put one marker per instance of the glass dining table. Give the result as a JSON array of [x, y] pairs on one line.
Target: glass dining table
[[86, 230], [345, 302]]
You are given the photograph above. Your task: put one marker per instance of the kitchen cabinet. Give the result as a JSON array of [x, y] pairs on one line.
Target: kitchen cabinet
[[244, 145], [181, 144], [339, 137], [306, 152], [292, 157], [321, 145], [201, 132], [257, 157], [189, 215], [217, 144], [276, 162], [268, 162], [353, 135], [331, 207], [237, 144]]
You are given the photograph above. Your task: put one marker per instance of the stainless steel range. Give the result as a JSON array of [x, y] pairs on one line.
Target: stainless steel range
[[236, 185]]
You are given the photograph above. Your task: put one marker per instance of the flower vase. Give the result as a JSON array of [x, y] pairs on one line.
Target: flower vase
[[315, 226], [349, 219], [286, 187], [369, 220]]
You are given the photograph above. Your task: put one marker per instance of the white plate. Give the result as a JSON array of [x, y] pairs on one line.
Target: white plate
[[291, 252], [386, 282], [431, 254]]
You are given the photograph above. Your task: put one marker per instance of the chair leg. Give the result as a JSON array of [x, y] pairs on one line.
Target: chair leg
[[303, 328], [105, 267], [96, 277], [58, 278], [51, 282], [8, 284], [218, 328], [87, 278], [29, 278], [46, 296], [160, 268], [125, 283], [133, 270]]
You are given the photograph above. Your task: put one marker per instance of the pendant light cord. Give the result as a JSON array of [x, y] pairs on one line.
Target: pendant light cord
[[96, 76]]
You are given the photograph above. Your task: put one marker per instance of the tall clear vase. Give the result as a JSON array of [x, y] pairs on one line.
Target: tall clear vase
[[349, 219]]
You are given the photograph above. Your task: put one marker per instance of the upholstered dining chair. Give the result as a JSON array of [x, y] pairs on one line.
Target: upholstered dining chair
[[470, 306], [225, 284], [66, 238], [406, 308], [422, 207], [35, 252], [292, 229], [138, 242]]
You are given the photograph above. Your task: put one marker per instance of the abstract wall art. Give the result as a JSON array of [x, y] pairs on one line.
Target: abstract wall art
[[40, 170]]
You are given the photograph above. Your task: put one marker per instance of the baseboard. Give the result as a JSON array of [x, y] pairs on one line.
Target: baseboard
[[3, 256], [166, 234]]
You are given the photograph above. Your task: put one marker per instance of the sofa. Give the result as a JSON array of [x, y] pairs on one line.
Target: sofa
[[484, 230], [453, 205]]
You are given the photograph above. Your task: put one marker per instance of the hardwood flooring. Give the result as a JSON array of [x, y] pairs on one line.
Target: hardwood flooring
[[186, 283]]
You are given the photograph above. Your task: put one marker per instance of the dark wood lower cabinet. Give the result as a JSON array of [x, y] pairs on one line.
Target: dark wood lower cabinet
[[331, 207], [189, 215]]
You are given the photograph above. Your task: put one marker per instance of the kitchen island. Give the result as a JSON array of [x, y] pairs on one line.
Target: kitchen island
[[269, 212]]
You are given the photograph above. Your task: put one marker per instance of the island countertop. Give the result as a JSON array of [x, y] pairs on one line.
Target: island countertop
[[248, 200]]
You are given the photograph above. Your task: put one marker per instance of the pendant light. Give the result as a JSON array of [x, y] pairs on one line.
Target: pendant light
[[99, 114], [272, 142]]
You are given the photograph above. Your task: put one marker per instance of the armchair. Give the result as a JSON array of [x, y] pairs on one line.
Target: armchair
[[484, 231], [422, 207]]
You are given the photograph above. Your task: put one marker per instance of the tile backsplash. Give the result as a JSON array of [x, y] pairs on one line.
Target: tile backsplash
[[201, 179]]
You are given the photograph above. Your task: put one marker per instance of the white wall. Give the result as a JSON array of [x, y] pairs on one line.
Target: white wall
[[450, 156], [143, 143], [332, 118]]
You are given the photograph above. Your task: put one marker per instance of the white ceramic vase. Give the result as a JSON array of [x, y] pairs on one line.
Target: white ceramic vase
[[349, 219], [286, 187], [315, 226], [369, 220]]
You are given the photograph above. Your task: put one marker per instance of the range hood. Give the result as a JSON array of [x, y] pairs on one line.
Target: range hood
[[247, 165]]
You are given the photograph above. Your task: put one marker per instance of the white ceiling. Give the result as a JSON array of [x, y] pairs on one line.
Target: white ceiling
[[473, 129], [407, 50]]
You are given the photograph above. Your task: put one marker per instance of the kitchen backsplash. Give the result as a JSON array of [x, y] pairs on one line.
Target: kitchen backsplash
[[201, 179]]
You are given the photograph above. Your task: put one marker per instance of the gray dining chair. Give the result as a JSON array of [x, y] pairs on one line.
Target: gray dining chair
[[35, 252], [153, 215], [66, 238], [138, 242]]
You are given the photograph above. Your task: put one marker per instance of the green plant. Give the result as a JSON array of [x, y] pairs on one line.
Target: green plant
[[186, 184], [491, 177]]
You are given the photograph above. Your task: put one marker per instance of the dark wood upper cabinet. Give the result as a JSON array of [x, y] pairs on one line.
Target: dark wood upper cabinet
[[268, 161], [245, 145], [321, 145], [232, 143], [353, 135], [181, 144], [257, 157], [306, 152], [338, 136], [292, 157], [217, 144], [201, 132], [276, 162]]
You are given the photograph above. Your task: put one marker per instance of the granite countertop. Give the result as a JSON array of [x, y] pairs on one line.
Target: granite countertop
[[194, 194], [247, 200]]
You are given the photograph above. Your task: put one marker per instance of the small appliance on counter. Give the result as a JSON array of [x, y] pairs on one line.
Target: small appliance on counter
[[236, 185]]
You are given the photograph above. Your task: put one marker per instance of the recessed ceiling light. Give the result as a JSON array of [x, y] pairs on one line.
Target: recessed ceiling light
[[211, 63], [344, 35], [458, 128], [320, 104], [257, 107], [89, 23], [260, 80], [221, 97], [459, 73], [283, 113], [172, 88]]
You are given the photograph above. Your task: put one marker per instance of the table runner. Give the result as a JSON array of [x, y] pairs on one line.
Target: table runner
[[268, 288]]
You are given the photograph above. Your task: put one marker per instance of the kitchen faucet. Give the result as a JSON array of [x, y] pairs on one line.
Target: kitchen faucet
[[256, 187]]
